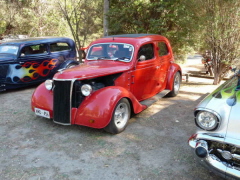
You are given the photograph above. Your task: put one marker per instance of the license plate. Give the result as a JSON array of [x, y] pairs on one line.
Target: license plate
[[41, 112]]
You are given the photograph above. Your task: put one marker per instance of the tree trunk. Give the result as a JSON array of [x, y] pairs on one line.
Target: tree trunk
[[105, 20], [216, 79], [80, 54]]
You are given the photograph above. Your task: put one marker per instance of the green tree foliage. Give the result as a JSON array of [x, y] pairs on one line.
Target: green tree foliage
[[84, 19], [8, 13], [222, 37], [78, 19], [31, 17], [174, 19], [189, 24]]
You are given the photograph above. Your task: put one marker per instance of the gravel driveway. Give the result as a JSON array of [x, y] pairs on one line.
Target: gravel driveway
[[153, 146]]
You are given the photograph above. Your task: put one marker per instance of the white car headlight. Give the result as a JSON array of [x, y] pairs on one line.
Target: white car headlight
[[86, 89], [48, 84], [207, 120]]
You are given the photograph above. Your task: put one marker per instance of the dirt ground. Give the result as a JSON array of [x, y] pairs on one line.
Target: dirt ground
[[153, 147]]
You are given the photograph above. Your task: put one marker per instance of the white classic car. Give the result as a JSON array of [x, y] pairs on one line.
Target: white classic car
[[217, 140]]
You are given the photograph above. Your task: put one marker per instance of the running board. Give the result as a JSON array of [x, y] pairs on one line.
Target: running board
[[148, 102]]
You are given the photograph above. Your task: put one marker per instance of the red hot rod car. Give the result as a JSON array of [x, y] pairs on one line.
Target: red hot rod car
[[121, 75]]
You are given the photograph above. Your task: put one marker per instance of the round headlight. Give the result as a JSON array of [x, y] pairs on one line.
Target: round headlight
[[48, 84], [207, 120], [86, 89]]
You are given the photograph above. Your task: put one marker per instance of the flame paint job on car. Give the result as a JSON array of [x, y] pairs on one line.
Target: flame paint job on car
[[229, 93], [33, 60], [30, 71]]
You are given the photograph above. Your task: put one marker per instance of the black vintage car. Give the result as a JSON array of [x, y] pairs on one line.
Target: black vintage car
[[33, 60]]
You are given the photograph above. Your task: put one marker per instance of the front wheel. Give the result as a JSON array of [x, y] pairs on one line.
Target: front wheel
[[176, 85], [120, 117]]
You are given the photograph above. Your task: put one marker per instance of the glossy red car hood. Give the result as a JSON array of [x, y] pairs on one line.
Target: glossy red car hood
[[93, 69]]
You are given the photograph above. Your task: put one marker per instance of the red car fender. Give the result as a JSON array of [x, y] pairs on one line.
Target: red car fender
[[171, 73], [97, 109], [43, 99]]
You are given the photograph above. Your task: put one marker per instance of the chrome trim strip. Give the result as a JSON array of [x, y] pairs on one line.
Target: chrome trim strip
[[222, 167], [65, 124], [55, 79], [213, 137], [236, 156]]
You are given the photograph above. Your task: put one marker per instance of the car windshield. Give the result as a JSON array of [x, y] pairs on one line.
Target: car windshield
[[111, 51], [9, 49]]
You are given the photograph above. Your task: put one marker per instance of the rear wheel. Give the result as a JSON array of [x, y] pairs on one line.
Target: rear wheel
[[176, 85], [120, 117]]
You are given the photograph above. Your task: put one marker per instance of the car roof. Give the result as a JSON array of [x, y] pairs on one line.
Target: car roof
[[134, 39], [34, 40], [130, 35]]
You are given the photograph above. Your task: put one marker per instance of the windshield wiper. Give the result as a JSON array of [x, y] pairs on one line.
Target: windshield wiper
[[122, 58], [102, 58]]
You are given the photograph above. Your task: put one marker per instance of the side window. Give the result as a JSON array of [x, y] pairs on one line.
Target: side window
[[96, 51], [60, 46], [34, 49], [163, 49], [146, 50]]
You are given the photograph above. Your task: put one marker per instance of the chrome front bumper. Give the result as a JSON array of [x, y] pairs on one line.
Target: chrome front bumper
[[2, 87], [213, 162]]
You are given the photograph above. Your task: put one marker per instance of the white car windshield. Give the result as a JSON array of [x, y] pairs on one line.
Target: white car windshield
[[9, 49], [111, 51]]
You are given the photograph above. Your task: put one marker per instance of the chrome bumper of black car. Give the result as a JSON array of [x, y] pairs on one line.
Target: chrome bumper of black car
[[213, 162], [2, 87]]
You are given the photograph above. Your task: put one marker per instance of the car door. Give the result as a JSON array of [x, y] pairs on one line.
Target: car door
[[165, 57], [145, 77], [34, 64]]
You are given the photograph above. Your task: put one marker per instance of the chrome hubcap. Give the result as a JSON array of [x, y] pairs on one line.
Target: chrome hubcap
[[121, 115]]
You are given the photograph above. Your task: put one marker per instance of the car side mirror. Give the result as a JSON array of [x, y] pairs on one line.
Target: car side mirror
[[142, 58]]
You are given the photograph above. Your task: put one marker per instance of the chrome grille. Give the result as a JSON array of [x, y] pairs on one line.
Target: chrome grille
[[62, 102]]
